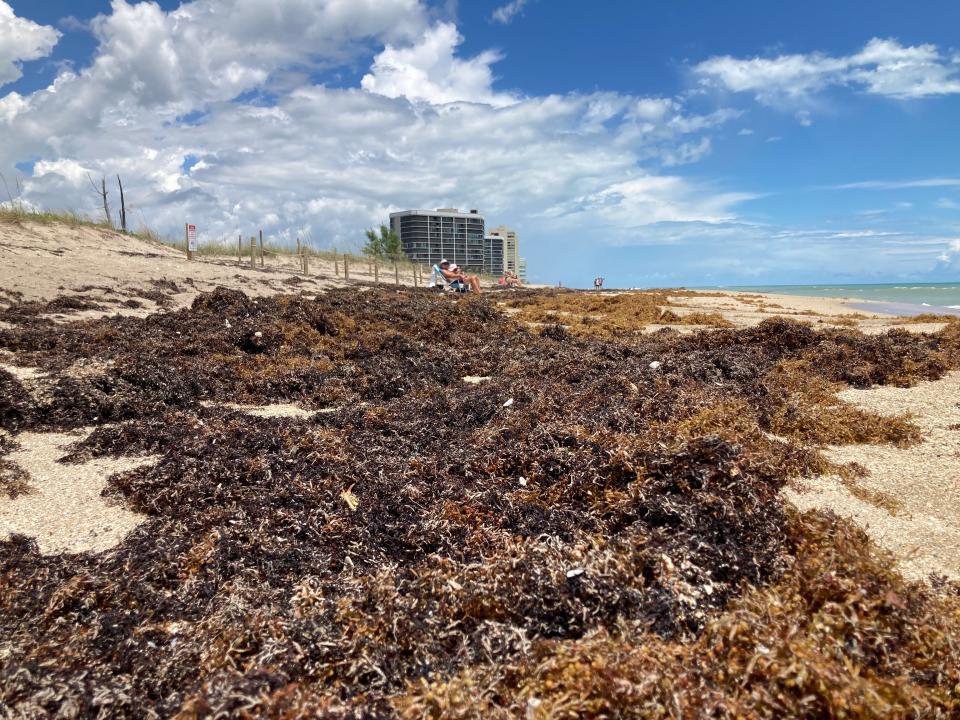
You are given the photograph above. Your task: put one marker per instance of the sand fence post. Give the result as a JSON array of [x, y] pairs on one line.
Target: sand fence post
[[346, 268], [253, 253], [239, 249], [186, 240], [416, 283], [261, 248], [396, 273], [376, 272]]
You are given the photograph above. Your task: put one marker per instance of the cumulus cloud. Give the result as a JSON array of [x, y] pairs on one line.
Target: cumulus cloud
[[209, 114], [429, 70], [505, 13], [21, 39], [171, 102], [883, 67], [332, 161]]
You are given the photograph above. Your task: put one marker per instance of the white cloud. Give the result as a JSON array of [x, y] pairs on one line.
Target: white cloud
[[623, 207], [428, 128], [687, 152], [11, 105], [71, 23], [899, 184], [505, 13], [429, 70], [745, 131], [948, 204], [21, 39], [883, 67], [332, 161]]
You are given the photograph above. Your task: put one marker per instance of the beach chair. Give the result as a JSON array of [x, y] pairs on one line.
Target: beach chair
[[438, 281]]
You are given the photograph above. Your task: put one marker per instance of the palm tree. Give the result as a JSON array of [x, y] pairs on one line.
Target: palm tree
[[385, 244]]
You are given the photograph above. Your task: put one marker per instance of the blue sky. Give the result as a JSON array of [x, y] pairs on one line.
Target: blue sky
[[681, 143]]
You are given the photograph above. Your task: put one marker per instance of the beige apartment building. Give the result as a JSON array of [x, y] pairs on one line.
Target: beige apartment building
[[512, 262]]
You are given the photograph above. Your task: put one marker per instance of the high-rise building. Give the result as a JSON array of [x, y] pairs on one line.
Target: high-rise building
[[522, 272], [493, 255], [428, 236], [511, 248]]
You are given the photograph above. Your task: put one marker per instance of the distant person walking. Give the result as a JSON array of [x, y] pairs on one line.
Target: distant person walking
[[598, 283]]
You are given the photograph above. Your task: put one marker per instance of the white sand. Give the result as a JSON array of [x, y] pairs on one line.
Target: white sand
[[275, 410], [925, 534], [44, 260], [65, 511]]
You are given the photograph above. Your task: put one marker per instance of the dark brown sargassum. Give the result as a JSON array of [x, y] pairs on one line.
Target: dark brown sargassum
[[426, 531]]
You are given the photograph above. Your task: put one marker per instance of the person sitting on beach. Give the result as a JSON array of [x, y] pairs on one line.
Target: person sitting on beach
[[442, 276], [453, 272], [510, 279]]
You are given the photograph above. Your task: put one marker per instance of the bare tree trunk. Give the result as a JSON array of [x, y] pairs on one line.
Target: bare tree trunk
[[102, 193], [106, 208], [123, 207]]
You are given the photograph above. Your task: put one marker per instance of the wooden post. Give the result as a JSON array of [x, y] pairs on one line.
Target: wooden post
[[261, 248], [123, 207], [415, 282], [253, 253], [306, 264], [239, 249], [396, 274], [346, 268], [186, 240], [376, 272]]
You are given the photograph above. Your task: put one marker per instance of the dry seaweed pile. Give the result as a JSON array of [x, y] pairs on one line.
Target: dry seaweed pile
[[594, 530], [607, 315], [21, 311]]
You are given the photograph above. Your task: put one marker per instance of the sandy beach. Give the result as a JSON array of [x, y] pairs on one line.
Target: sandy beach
[[237, 459], [42, 261]]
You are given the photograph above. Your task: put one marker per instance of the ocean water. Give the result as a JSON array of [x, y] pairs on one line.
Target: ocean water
[[900, 298]]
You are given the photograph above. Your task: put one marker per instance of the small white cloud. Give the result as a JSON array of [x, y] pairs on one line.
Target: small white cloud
[[430, 71], [898, 184], [73, 24], [774, 138], [803, 117], [11, 105], [506, 13], [745, 131], [21, 39], [687, 152], [883, 67], [947, 204]]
